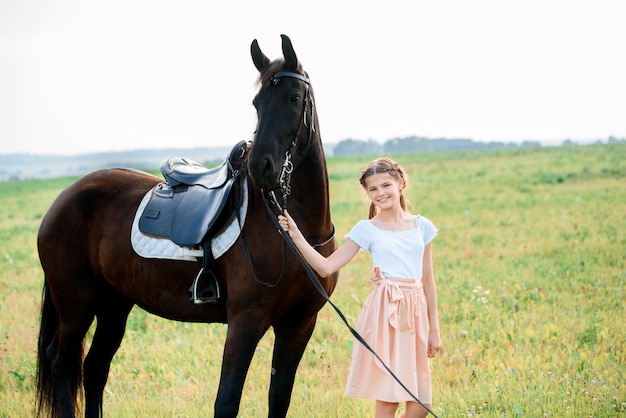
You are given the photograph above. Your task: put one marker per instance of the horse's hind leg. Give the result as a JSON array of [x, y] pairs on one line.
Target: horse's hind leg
[[65, 356], [111, 314]]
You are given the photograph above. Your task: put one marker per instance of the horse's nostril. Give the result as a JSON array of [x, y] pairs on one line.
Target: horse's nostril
[[267, 168]]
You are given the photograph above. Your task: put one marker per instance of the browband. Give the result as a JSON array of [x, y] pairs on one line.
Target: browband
[[276, 77]]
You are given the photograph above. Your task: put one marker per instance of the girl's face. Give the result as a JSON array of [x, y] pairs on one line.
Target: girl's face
[[383, 190]]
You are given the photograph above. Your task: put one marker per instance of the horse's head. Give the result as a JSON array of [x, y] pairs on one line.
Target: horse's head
[[286, 117]]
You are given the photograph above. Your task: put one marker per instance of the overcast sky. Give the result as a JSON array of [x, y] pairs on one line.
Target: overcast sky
[[86, 76]]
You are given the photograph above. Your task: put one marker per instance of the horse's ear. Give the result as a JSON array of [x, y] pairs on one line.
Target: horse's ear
[[291, 60], [261, 62]]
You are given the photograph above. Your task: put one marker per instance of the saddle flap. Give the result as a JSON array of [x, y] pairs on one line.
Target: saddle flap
[[186, 217]]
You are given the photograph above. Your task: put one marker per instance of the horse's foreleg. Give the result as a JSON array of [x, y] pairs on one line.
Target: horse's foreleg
[[112, 316], [290, 343], [242, 338]]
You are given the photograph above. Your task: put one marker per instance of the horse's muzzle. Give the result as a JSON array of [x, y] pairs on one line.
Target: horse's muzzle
[[265, 173]]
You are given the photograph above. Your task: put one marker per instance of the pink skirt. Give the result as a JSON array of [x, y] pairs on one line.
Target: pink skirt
[[394, 322]]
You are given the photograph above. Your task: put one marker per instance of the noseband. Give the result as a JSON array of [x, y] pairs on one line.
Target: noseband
[[287, 169]]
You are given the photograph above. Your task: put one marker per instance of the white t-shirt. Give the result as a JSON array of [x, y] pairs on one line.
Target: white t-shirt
[[398, 254]]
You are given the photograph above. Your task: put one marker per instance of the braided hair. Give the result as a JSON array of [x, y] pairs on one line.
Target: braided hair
[[385, 165]]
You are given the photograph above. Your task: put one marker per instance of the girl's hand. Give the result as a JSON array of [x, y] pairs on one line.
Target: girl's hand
[[434, 344], [288, 224]]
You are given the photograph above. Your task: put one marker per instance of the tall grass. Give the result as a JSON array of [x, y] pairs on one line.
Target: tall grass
[[530, 268]]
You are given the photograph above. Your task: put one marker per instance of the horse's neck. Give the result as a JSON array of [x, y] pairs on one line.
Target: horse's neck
[[310, 190], [313, 171]]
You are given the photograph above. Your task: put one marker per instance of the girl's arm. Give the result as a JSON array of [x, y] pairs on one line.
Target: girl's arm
[[324, 266], [430, 290]]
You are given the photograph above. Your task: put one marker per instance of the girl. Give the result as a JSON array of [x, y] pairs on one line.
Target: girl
[[399, 319]]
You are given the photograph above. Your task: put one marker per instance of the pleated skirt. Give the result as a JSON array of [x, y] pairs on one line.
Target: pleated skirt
[[394, 322]]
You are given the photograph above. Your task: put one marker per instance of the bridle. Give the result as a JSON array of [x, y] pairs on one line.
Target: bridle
[[269, 198], [287, 168]]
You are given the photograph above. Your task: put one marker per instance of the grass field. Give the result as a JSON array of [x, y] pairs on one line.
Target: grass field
[[530, 266]]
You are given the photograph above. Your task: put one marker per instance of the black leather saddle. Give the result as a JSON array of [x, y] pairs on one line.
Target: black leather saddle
[[187, 205], [193, 205]]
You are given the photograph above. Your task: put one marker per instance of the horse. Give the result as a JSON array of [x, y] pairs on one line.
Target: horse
[[92, 272]]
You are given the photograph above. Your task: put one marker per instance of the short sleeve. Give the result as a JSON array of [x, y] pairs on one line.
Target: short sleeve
[[429, 230], [359, 235]]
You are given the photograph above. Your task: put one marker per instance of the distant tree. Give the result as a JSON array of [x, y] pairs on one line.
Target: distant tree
[[416, 144], [420, 144], [408, 144], [615, 140], [532, 144], [355, 147]]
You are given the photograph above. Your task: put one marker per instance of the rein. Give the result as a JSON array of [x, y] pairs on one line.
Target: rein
[[322, 291]]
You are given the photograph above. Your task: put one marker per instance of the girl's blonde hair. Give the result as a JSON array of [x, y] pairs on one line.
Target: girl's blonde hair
[[385, 165]]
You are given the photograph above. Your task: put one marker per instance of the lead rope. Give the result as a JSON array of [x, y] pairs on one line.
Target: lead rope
[[322, 291]]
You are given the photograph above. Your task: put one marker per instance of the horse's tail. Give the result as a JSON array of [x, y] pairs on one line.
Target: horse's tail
[[47, 397]]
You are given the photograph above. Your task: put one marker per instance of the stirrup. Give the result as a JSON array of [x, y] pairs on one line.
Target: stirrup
[[211, 294]]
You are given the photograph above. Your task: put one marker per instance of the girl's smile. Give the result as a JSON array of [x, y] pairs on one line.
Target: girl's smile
[[383, 190]]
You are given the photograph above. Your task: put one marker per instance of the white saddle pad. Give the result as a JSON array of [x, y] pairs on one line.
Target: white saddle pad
[[148, 246]]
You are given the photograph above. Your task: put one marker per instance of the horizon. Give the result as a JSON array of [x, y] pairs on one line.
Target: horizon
[[554, 143], [34, 166]]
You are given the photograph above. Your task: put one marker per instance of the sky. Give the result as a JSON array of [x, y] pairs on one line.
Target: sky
[[91, 76]]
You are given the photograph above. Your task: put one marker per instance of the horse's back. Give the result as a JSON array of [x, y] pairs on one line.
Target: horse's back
[[98, 202]]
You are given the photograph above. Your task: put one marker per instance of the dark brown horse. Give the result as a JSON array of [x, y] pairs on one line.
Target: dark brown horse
[[91, 270]]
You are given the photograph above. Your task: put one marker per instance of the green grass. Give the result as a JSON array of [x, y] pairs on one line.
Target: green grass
[[530, 267]]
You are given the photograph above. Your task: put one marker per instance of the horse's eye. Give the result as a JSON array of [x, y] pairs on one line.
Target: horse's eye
[[295, 98]]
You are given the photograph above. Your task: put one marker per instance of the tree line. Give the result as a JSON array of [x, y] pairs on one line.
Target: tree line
[[420, 144]]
